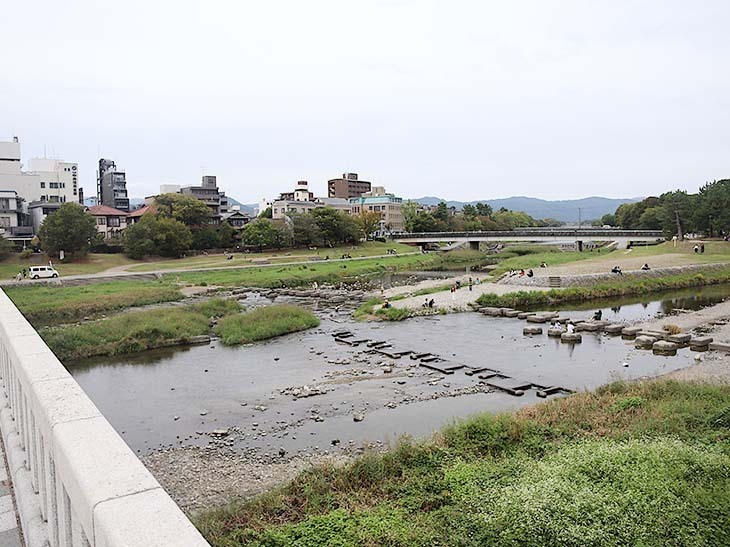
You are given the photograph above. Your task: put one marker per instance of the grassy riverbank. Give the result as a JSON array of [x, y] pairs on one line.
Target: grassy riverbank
[[631, 464], [136, 331], [49, 305], [264, 323], [623, 287], [328, 271]]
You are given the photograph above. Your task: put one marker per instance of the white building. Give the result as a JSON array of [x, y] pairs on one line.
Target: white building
[[46, 180], [10, 207]]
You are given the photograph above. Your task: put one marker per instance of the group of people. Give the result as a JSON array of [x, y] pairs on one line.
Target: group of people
[[429, 303], [392, 252], [345, 255], [522, 273], [699, 248], [22, 274]]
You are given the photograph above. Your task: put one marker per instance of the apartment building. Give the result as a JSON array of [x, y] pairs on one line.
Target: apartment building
[[387, 205], [348, 186], [209, 194], [111, 186]]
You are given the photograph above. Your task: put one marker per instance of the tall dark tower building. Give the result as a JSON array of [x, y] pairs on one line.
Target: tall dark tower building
[[111, 186]]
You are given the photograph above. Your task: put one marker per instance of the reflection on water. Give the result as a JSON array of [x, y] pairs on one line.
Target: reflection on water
[[643, 307]]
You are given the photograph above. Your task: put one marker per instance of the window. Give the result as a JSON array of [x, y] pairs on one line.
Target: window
[[100, 221], [43, 184], [53, 185], [114, 222], [5, 222], [4, 203]]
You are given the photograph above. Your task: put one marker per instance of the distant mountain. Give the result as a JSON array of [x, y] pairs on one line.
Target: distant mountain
[[249, 208], [564, 210]]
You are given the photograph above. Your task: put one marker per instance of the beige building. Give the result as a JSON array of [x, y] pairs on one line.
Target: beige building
[[110, 222], [387, 205]]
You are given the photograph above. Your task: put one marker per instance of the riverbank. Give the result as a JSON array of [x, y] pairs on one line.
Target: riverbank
[[479, 482]]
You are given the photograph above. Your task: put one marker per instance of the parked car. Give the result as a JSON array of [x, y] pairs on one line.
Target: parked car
[[36, 272]]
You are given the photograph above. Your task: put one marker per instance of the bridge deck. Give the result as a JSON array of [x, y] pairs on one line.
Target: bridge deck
[[9, 531]]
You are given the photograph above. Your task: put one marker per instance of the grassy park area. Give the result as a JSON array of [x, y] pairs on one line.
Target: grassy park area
[[91, 264], [630, 464]]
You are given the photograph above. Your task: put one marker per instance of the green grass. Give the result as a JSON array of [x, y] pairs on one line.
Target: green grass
[[369, 248], [264, 323], [321, 272], [631, 464], [90, 264], [136, 331], [49, 305], [626, 286], [530, 257]]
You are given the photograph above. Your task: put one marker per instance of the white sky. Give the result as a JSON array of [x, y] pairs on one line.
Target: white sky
[[459, 99]]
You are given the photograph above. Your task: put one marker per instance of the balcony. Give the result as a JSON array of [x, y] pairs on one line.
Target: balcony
[[19, 231]]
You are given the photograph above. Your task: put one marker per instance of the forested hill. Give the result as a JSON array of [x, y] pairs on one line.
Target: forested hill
[[563, 210]]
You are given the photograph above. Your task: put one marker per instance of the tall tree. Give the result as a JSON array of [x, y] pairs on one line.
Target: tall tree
[[70, 229], [157, 236], [260, 233], [409, 210], [186, 209], [369, 222]]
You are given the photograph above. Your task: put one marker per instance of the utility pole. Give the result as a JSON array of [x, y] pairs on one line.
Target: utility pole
[[579, 217], [680, 236]]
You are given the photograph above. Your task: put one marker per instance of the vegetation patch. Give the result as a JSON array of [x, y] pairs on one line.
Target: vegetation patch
[[49, 305], [264, 323], [625, 287], [630, 464], [136, 331]]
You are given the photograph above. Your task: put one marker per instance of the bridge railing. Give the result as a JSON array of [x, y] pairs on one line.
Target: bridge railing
[[607, 233], [77, 483]]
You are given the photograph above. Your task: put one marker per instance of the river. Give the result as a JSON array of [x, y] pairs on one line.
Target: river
[[177, 397]]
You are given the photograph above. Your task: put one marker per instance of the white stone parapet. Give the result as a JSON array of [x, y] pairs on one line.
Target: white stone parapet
[[77, 483]]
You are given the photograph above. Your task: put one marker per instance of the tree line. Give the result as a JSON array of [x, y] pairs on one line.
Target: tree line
[[678, 212], [471, 218]]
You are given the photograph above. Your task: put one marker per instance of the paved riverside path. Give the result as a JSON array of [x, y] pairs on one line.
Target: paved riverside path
[[113, 274], [9, 531]]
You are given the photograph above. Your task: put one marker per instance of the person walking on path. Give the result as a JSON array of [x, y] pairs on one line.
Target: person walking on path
[[471, 282], [702, 248]]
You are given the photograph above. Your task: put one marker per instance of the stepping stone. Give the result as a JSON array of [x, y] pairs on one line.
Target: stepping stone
[[587, 326], [527, 331], [644, 342], [504, 311], [343, 334], [682, 338], [571, 338], [443, 366], [630, 332], [720, 346], [393, 353], [377, 344], [700, 343], [662, 347], [561, 320], [512, 313], [421, 355], [492, 374], [513, 386], [493, 312], [545, 391], [431, 359], [537, 319], [660, 335], [615, 328], [525, 314], [554, 332], [471, 371]]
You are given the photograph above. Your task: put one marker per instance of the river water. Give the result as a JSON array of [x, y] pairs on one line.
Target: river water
[[176, 397]]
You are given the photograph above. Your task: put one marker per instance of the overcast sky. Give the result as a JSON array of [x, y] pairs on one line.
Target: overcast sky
[[458, 99]]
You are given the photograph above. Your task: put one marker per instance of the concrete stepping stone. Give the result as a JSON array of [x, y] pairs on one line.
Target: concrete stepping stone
[[700, 343], [560, 319], [393, 353], [513, 386], [525, 314], [615, 328], [644, 342], [471, 371], [493, 312], [630, 332], [529, 331], [415, 355], [443, 366], [571, 338], [537, 319], [343, 334], [720, 346], [682, 338], [662, 347], [587, 326], [512, 313], [504, 311], [377, 344], [430, 359], [554, 332]]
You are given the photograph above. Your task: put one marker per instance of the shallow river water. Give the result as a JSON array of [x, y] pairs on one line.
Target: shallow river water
[[176, 397]]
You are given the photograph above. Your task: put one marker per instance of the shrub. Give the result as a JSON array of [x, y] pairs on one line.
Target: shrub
[[264, 323]]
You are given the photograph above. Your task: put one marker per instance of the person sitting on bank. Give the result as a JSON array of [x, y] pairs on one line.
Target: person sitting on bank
[[431, 303], [617, 270], [645, 267], [543, 264], [522, 273], [597, 316], [530, 273], [386, 304]]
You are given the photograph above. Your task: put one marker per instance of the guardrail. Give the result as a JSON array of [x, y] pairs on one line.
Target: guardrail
[[76, 481]]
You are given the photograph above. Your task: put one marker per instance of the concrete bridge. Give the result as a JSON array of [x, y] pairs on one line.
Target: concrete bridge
[[578, 236], [75, 481]]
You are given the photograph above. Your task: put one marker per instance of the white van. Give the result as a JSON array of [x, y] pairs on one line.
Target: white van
[[36, 272]]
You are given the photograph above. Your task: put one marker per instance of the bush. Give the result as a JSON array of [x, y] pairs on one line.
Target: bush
[[264, 323], [25, 254]]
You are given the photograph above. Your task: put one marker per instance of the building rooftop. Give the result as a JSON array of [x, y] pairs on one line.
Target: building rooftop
[[141, 211], [104, 210]]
